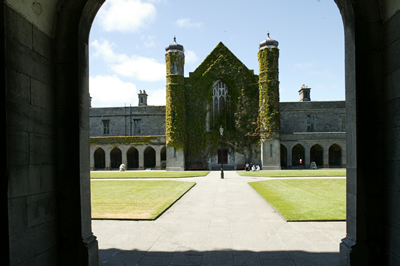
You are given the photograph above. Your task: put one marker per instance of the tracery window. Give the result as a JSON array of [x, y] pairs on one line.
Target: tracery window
[[219, 103]]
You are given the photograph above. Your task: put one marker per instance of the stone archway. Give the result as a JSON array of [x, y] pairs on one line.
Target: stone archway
[[371, 40], [335, 156], [317, 155], [99, 159], [115, 158], [149, 158], [298, 156], [132, 158]]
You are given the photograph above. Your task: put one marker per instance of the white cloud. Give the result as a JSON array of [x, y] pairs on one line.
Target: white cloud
[[139, 67], [142, 68], [190, 57], [186, 23], [126, 15], [157, 97], [109, 91]]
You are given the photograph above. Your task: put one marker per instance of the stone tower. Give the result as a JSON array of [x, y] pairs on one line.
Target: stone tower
[[175, 119], [268, 56]]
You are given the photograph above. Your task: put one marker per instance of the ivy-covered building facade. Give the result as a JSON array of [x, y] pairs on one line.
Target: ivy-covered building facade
[[221, 93]]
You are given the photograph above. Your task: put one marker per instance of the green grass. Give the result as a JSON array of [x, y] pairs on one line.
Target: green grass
[[147, 174], [305, 199], [134, 199], [295, 173]]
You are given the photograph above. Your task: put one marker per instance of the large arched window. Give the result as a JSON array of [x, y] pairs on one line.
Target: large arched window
[[219, 103]]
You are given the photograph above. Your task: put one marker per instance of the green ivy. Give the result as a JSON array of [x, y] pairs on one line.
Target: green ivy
[[126, 140], [269, 92], [239, 122]]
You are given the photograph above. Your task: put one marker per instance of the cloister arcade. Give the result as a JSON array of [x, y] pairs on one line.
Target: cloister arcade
[[110, 157], [324, 154]]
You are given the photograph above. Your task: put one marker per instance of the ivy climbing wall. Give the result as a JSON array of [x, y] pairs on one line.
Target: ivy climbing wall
[[269, 92]]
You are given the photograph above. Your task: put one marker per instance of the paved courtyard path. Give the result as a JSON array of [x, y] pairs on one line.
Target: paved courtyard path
[[219, 222]]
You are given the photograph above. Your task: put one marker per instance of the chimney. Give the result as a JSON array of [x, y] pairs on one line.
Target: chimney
[[142, 98], [304, 93]]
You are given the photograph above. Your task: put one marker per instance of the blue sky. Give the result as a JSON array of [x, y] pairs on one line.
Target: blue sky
[[128, 39]]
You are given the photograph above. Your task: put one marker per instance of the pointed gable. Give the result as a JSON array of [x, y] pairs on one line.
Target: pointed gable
[[221, 58]]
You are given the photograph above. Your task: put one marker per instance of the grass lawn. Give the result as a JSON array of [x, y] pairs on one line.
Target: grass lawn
[[305, 199], [147, 174], [134, 199], [295, 173]]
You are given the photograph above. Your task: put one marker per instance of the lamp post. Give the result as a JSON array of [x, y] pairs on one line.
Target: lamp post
[[221, 132]]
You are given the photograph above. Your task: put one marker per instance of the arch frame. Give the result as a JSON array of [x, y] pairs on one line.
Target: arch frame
[[368, 49]]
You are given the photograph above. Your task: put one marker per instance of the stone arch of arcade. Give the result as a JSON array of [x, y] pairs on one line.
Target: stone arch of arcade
[[134, 157], [325, 153], [372, 65]]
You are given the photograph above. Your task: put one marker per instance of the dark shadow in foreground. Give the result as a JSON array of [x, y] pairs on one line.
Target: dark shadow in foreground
[[218, 257]]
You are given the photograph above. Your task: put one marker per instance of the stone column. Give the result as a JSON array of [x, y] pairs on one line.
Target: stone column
[[141, 157], [158, 157], [107, 151], [326, 155], [289, 157]]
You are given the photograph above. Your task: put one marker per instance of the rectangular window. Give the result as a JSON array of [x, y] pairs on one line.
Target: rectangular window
[[343, 116], [310, 123], [137, 126], [106, 127], [224, 155]]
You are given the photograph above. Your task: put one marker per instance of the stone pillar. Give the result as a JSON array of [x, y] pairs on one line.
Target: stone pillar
[[271, 154], [306, 159], [326, 155], [158, 158], [124, 159], [175, 160], [107, 151], [268, 56], [289, 157], [91, 155], [141, 157]]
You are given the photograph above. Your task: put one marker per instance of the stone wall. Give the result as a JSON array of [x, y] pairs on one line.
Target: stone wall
[[328, 116], [391, 127], [31, 141], [121, 120]]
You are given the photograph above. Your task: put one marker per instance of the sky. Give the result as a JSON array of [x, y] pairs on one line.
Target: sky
[[128, 39]]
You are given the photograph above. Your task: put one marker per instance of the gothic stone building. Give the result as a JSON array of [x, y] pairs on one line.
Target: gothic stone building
[[221, 92]]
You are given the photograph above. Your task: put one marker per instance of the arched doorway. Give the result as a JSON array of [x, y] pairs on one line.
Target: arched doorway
[[116, 158], [317, 155], [298, 153], [99, 159], [149, 158], [132, 158], [335, 156], [164, 157], [283, 156]]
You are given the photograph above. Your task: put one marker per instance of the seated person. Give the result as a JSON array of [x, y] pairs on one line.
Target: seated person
[[253, 168], [247, 167], [258, 167]]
